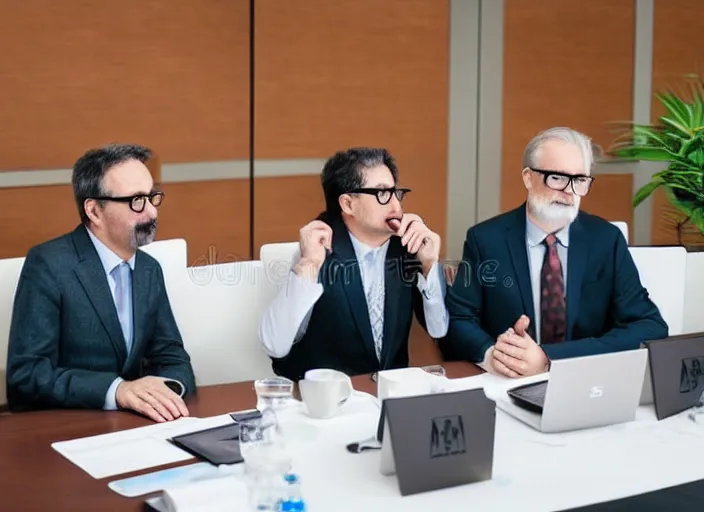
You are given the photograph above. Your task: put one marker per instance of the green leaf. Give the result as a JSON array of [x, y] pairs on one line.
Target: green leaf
[[677, 109], [677, 126], [645, 191]]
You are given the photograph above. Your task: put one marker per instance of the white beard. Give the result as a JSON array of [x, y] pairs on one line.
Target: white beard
[[553, 214]]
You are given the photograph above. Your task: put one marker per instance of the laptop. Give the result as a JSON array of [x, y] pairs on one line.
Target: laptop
[[677, 371], [580, 392], [437, 440]]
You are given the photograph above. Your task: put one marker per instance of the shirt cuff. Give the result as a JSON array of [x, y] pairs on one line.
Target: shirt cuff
[[110, 396], [431, 288]]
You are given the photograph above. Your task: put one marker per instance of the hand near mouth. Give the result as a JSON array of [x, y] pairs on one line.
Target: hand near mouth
[[417, 239]]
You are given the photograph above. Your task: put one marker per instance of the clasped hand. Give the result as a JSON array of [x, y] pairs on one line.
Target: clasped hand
[[516, 354]]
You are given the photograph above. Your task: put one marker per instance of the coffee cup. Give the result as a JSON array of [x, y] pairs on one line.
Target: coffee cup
[[324, 391]]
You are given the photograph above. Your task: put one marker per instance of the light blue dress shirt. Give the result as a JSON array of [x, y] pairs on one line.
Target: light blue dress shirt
[[536, 254], [110, 261]]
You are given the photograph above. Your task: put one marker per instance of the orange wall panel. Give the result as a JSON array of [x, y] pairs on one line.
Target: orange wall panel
[[678, 25], [32, 215], [331, 75], [566, 63], [213, 217], [170, 74]]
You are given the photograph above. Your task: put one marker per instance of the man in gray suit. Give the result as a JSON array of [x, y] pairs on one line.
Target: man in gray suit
[[92, 326]]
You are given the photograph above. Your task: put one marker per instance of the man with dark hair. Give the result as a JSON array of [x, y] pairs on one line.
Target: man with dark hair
[[364, 268], [92, 326]]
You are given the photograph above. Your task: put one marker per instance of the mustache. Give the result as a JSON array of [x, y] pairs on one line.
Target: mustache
[[146, 227]]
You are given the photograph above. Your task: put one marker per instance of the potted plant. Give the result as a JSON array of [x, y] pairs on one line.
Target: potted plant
[[677, 140]]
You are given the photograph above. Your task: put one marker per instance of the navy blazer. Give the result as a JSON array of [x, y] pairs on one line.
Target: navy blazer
[[66, 346], [339, 333], [608, 309]]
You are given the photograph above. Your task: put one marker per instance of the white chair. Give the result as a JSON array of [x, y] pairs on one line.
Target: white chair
[[218, 310], [172, 255], [623, 226], [694, 293], [9, 276], [662, 273]]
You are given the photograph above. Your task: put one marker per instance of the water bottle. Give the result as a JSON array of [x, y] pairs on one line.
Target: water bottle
[[292, 499]]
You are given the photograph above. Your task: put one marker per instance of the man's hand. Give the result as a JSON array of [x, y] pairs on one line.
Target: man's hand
[[150, 396], [419, 240], [516, 354], [315, 242]]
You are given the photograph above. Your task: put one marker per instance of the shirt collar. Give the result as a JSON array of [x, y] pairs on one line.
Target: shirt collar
[[535, 235], [108, 258], [364, 251]]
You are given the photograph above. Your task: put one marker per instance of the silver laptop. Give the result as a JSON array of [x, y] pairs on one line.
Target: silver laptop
[[580, 393]]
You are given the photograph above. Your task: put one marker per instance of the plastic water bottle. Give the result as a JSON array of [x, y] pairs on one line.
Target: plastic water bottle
[[293, 499]]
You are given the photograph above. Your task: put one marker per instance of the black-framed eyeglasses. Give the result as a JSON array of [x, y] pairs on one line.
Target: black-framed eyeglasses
[[137, 202], [556, 180], [383, 195]]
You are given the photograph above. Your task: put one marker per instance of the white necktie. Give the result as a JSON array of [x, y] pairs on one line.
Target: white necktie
[[375, 300], [123, 302]]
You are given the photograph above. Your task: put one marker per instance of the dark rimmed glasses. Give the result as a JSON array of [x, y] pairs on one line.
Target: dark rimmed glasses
[[383, 195], [137, 202], [556, 180]]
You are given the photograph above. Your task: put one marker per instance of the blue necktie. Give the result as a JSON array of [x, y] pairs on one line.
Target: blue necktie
[[123, 300]]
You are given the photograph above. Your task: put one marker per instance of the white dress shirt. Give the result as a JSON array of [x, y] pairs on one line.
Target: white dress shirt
[[286, 320], [110, 260], [536, 255]]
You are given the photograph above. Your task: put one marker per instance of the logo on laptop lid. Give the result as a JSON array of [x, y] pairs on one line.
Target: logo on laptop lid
[[447, 436], [596, 392], [691, 374]]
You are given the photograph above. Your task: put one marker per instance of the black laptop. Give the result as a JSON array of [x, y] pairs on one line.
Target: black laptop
[[677, 372]]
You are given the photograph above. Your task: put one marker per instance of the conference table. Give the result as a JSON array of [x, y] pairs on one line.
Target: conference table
[[35, 477]]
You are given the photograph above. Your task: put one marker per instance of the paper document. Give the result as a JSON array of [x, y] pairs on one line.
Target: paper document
[[130, 450], [217, 495]]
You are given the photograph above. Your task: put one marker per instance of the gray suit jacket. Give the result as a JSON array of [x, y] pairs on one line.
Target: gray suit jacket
[[66, 346]]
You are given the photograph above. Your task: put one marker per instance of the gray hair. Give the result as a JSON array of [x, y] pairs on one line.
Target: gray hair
[[584, 143]]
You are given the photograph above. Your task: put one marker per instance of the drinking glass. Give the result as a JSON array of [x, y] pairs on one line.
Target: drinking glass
[[273, 393], [266, 460]]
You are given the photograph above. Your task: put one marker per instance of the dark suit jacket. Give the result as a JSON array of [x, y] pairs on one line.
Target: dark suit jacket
[[608, 309], [66, 346], [339, 334]]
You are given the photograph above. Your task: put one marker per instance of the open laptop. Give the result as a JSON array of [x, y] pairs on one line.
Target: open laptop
[[677, 372], [581, 392]]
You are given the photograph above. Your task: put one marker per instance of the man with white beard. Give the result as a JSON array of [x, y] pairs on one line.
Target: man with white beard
[[546, 281]]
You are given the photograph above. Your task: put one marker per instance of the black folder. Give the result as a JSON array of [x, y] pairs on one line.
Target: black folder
[[217, 445]]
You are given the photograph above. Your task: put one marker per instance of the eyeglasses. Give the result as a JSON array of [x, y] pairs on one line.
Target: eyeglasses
[[383, 195], [556, 180], [137, 202]]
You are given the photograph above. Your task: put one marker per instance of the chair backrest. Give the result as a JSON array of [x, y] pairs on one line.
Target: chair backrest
[[662, 272], [281, 253], [9, 276], [218, 310], [623, 226], [694, 293], [172, 255]]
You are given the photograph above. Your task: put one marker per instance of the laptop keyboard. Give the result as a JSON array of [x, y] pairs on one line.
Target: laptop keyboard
[[531, 397]]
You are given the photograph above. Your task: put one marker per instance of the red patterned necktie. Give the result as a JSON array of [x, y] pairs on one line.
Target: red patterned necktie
[[553, 313]]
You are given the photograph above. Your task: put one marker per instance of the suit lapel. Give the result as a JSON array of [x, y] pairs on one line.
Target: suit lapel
[[577, 255], [395, 280], [141, 277], [516, 240], [345, 268], [92, 277]]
